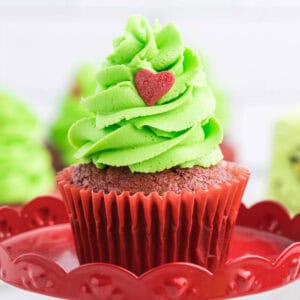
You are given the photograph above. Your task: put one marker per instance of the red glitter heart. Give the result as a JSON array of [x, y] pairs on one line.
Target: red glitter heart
[[151, 87]]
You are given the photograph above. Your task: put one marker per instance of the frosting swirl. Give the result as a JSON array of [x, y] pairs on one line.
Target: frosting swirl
[[179, 130]]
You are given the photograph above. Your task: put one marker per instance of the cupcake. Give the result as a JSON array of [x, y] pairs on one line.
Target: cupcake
[[25, 168], [284, 174], [71, 111], [223, 112], [153, 187], [223, 116]]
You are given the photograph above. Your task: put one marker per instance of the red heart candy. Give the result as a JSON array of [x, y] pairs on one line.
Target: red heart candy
[[151, 87]]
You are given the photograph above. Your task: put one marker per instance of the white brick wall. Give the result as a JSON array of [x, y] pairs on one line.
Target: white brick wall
[[255, 46]]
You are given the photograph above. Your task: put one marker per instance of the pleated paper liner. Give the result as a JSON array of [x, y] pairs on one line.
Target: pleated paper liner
[[139, 232]]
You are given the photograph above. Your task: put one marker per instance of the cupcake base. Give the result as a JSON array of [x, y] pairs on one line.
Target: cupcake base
[[139, 232]]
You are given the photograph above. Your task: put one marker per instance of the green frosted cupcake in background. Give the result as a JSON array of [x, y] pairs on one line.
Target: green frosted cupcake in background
[[71, 111], [284, 174], [25, 168], [222, 97], [223, 114], [223, 110], [223, 105]]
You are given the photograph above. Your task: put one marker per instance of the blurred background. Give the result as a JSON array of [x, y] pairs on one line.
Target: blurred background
[[252, 48]]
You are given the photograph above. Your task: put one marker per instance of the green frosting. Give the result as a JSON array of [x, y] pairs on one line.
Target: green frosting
[[179, 130], [25, 166], [284, 175], [71, 111]]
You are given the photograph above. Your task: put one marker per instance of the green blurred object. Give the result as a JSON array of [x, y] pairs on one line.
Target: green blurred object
[[25, 166], [223, 105], [71, 111], [284, 174], [222, 96]]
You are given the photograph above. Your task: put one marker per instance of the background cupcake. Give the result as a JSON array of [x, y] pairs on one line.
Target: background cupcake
[[154, 190], [223, 111], [25, 168], [284, 173], [84, 84]]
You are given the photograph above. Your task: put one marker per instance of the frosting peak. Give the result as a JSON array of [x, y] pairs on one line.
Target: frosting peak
[[179, 130]]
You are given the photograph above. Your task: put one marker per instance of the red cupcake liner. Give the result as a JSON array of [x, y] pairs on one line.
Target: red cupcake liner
[[139, 232]]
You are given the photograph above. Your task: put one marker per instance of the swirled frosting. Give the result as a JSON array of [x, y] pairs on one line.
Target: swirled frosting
[[25, 166], [179, 130]]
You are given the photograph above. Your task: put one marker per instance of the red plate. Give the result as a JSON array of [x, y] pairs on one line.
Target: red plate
[[265, 254]]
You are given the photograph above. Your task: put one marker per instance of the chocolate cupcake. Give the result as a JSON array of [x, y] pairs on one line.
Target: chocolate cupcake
[[154, 188]]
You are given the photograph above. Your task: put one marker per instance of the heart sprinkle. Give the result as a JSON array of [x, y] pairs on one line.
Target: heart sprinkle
[[151, 87]]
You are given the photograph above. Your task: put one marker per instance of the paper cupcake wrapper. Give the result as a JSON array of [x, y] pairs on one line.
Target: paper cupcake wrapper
[[139, 232]]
